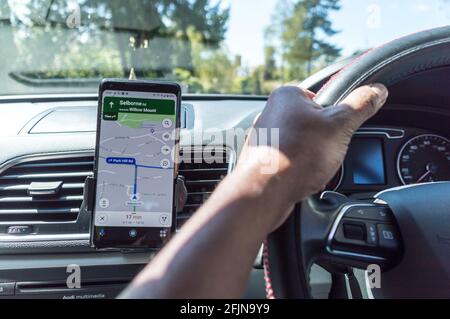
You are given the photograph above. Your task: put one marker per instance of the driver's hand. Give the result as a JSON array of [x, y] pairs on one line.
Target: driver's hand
[[311, 144]]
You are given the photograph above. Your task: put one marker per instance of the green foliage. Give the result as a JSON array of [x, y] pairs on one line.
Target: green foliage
[[170, 39], [253, 83], [303, 29], [270, 64], [214, 71]]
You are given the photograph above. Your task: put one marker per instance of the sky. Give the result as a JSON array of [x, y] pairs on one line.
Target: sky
[[362, 23]]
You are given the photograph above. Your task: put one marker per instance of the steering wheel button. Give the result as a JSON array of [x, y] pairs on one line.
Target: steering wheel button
[[388, 236], [354, 232], [372, 237], [378, 213]]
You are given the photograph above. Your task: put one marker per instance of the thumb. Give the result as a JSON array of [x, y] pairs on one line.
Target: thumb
[[362, 104]]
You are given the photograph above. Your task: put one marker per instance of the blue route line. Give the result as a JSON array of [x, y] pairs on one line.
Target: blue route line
[[135, 181], [132, 162]]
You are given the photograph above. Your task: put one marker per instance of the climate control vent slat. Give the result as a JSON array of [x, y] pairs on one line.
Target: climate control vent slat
[[63, 164], [18, 205], [40, 211], [40, 199], [47, 175], [25, 187], [203, 170]]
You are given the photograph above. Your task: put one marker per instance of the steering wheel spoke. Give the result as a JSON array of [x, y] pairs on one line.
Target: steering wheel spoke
[[365, 233], [357, 234]]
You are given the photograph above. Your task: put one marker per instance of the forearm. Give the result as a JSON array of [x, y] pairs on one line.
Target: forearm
[[214, 252]]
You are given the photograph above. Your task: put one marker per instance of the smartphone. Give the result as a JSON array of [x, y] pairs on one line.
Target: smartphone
[[135, 164]]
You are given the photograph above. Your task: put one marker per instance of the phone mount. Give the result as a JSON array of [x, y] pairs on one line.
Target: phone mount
[[88, 203]]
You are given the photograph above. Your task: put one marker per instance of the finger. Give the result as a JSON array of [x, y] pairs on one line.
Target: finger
[[293, 95], [310, 94], [362, 103], [306, 92]]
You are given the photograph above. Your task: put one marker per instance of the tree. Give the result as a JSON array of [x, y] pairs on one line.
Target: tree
[[270, 64], [215, 70], [148, 35], [198, 16], [303, 35], [252, 82]]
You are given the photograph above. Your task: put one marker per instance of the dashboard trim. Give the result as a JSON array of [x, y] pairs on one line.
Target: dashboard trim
[[77, 97], [381, 131], [40, 238], [43, 156], [86, 259]]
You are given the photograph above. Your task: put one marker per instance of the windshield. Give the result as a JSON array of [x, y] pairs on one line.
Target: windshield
[[233, 47]]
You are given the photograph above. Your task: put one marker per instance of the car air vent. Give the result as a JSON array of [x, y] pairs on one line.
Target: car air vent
[[40, 196], [203, 169], [44, 189]]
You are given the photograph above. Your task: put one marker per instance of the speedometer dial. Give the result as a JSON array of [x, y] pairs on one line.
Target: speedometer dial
[[425, 158]]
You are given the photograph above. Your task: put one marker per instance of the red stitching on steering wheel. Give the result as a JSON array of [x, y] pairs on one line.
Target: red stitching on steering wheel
[[266, 265]]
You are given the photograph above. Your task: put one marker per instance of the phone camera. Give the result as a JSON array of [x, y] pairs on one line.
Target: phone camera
[[132, 233]]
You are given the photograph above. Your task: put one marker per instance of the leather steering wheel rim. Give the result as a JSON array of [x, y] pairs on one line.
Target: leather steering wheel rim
[[387, 64]]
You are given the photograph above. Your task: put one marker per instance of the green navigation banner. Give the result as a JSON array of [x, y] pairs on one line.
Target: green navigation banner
[[114, 105]]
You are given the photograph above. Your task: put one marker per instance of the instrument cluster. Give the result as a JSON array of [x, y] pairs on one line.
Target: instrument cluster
[[383, 157]]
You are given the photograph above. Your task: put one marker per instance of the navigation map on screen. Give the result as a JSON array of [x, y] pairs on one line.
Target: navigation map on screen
[[135, 169]]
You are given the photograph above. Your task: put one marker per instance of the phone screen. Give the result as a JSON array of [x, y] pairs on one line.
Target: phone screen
[[135, 168]]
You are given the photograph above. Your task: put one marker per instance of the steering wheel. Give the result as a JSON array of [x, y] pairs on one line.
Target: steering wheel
[[403, 231]]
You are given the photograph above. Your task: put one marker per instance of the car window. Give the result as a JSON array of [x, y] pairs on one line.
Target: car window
[[228, 46]]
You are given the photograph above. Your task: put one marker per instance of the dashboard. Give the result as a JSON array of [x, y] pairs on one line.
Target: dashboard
[[52, 138]]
